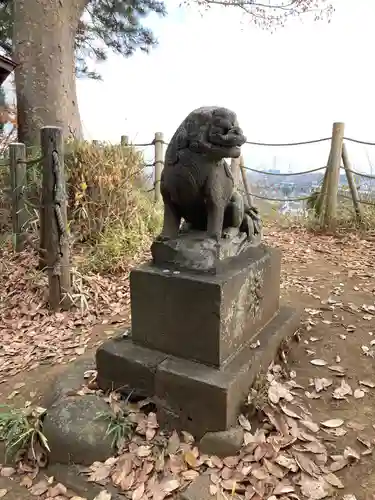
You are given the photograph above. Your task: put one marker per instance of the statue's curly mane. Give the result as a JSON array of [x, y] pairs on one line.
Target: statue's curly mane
[[204, 131]]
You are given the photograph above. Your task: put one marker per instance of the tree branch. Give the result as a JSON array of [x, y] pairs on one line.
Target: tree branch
[[254, 4]]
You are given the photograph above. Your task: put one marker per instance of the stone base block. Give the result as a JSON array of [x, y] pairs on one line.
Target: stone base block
[[193, 396], [202, 317], [123, 365]]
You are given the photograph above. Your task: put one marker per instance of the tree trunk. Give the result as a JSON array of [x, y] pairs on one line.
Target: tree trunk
[[43, 43]]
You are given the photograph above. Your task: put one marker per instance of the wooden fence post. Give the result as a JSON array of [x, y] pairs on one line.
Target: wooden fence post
[[54, 213], [333, 176], [320, 205], [17, 157], [124, 140], [249, 196], [351, 184], [159, 162]]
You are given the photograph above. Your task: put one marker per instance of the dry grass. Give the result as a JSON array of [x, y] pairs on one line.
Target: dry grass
[[111, 217], [108, 208], [346, 220]]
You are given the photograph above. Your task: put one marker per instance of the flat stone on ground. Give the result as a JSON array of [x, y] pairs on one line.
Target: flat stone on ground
[[222, 443], [74, 432], [69, 382]]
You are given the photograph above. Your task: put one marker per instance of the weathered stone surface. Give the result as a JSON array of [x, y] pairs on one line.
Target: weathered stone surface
[[123, 365], [189, 395], [74, 433], [205, 318], [197, 184], [70, 381], [194, 251], [223, 443], [203, 399]]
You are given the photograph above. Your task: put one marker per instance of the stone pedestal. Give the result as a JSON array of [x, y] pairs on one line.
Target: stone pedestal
[[203, 317], [198, 340]]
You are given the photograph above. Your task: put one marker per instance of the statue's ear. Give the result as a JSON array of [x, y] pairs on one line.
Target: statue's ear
[[179, 141], [182, 139]]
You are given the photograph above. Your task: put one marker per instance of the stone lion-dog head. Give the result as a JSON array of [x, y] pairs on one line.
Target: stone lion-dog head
[[212, 131]]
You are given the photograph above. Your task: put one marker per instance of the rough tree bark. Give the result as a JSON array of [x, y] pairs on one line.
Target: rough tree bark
[[43, 46]]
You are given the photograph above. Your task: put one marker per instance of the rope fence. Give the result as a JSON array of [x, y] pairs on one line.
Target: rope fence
[[285, 174], [330, 186], [272, 144], [54, 240], [328, 194], [28, 163]]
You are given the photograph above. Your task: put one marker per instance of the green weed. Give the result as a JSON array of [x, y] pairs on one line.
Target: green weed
[[22, 430], [119, 427]]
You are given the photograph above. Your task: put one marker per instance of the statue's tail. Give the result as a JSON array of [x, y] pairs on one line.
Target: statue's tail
[[252, 212]]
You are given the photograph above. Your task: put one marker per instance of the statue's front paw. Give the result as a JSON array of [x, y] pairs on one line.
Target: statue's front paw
[[230, 232], [214, 236]]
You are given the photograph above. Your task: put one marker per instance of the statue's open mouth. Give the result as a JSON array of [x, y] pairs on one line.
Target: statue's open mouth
[[233, 152], [231, 139]]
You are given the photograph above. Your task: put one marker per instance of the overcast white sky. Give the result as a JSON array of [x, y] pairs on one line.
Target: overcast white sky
[[285, 87]]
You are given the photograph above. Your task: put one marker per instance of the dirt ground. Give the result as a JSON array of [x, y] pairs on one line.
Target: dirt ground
[[332, 281]]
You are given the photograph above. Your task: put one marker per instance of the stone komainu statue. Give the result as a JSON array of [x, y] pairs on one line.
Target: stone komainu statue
[[197, 184]]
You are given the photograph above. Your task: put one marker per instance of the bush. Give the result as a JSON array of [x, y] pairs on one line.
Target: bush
[[123, 238], [111, 216]]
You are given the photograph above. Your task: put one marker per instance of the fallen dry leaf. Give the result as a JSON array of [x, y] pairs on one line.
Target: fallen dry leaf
[[358, 394], [99, 472], [314, 489], [367, 383], [277, 391], [318, 362], [338, 465], [342, 391], [322, 383], [244, 423], [213, 489], [138, 492], [169, 485], [337, 369], [104, 495], [173, 444], [306, 464], [351, 454], [39, 488], [333, 423], [283, 489], [311, 426], [144, 451], [7, 471], [58, 489], [333, 480]]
